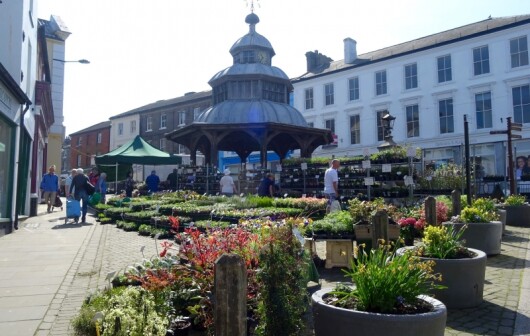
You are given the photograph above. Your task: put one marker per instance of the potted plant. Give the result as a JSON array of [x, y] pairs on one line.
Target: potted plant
[[484, 230], [388, 298], [517, 210], [409, 228], [462, 269]]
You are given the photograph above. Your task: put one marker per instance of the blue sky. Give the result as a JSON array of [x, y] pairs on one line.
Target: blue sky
[[145, 51]]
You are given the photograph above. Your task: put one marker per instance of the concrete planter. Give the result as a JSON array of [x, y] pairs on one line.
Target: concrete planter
[[464, 279], [331, 320], [482, 236], [517, 215]]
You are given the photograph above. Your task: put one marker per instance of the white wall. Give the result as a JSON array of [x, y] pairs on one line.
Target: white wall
[[462, 89]]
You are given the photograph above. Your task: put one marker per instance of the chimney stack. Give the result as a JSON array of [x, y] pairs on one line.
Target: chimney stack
[[350, 50]]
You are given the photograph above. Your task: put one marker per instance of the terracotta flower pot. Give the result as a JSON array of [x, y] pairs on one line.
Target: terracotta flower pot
[[331, 320]]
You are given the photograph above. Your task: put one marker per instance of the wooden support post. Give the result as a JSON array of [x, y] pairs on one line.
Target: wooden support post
[[457, 202], [380, 228], [430, 210], [230, 294]]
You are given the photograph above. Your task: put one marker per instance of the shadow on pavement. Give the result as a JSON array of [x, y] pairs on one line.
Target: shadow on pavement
[[70, 226], [471, 320], [513, 237], [506, 261]]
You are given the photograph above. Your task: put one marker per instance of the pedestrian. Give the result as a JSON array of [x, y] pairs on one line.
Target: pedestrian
[[152, 182], [227, 184], [266, 187], [102, 187], [68, 182], [522, 167], [172, 180], [129, 184], [93, 176], [79, 189], [331, 183], [50, 187]]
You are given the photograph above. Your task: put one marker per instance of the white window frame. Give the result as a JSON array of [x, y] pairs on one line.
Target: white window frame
[[120, 128], [162, 144], [481, 62], [381, 82], [182, 118], [99, 138], [353, 89], [196, 113], [309, 103], [329, 94], [444, 69], [163, 121], [521, 106], [411, 80], [446, 117], [487, 114], [518, 56], [413, 123], [133, 126], [356, 130], [148, 123]]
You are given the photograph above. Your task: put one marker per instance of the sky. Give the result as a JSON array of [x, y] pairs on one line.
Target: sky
[[144, 51]]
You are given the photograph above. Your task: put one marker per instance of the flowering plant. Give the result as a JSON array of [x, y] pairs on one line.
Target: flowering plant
[[411, 227]]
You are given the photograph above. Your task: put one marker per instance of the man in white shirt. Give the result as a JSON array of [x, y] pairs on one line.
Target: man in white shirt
[[331, 183]]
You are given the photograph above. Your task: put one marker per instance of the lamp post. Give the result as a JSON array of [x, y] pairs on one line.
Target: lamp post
[[387, 122], [82, 61]]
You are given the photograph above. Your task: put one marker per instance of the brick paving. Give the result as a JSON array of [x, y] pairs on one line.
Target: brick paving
[[43, 286]]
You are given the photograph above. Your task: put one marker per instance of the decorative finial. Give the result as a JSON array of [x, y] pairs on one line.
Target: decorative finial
[[252, 4]]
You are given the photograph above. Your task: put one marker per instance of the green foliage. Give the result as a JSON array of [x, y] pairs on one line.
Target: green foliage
[[442, 242], [482, 210], [448, 203], [448, 176], [385, 281], [334, 222], [283, 296], [515, 200], [133, 313], [363, 211]]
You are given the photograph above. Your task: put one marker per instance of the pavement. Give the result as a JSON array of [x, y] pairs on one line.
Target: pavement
[[47, 268]]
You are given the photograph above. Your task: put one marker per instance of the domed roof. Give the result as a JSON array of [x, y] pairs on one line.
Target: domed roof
[[250, 69], [252, 39], [252, 111]]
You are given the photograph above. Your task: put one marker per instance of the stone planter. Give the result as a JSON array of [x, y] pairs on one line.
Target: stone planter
[[482, 236], [464, 279], [331, 320], [517, 215]]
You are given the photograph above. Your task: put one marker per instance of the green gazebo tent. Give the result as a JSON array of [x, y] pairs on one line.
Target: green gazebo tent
[[136, 151]]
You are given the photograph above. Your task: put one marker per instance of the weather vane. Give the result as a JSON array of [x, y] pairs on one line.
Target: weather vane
[[252, 4]]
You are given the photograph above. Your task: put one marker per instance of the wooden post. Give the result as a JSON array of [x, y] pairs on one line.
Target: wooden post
[[379, 228], [457, 204], [430, 210], [230, 296]]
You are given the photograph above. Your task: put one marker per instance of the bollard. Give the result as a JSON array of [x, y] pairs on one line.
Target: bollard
[[230, 295], [430, 210], [379, 228], [456, 200]]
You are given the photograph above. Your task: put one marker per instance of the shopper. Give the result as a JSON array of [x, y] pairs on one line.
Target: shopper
[[331, 183], [227, 184], [152, 182], [79, 189], [266, 187], [50, 187]]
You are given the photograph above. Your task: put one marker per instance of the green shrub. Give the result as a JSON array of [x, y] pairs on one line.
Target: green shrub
[[515, 200]]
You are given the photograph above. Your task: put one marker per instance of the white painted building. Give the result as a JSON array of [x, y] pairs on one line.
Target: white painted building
[[18, 63], [480, 70]]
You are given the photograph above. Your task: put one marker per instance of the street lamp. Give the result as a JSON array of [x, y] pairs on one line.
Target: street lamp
[[387, 122], [82, 61]]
